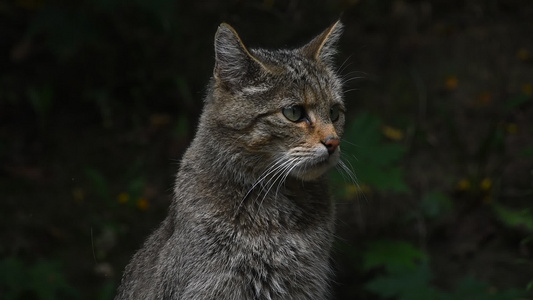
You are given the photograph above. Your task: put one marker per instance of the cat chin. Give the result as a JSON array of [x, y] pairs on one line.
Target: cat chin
[[314, 171]]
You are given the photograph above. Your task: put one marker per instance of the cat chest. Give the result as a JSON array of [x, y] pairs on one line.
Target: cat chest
[[278, 265]]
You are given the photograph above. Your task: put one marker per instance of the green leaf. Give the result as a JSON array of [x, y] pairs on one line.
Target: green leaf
[[517, 101], [410, 284], [527, 151], [515, 218], [435, 203], [529, 286], [393, 255], [375, 161], [136, 187], [46, 279], [470, 288]]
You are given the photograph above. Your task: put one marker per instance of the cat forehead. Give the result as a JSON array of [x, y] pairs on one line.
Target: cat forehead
[[292, 66], [293, 78], [292, 61]]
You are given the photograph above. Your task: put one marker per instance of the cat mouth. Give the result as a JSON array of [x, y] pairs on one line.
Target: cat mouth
[[310, 170]]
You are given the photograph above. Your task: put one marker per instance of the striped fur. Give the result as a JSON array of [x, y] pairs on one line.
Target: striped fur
[[252, 217]]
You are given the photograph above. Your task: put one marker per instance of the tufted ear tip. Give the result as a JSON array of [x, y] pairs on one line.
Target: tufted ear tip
[[230, 53], [232, 59], [225, 33], [323, 47]]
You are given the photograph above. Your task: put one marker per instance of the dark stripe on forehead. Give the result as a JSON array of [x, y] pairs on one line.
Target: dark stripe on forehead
[[312, 81], [309, 95], [317, 88]]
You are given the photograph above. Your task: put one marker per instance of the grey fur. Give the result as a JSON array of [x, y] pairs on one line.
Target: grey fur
[[252, 217]]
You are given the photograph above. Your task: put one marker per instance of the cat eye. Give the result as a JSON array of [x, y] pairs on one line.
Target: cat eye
[[334, 113], [293, 113]]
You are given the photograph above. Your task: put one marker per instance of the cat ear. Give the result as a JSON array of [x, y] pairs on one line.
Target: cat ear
[[232, 60], [322, 48]]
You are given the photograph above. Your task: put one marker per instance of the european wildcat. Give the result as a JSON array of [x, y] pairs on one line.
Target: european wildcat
[[252, 217]]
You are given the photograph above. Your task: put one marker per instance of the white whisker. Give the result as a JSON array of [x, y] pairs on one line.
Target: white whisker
[[343, 66], [285, 176], [352, 176], [344, 141], [346, 80], [289, 165], [273, 168], [350, 90]]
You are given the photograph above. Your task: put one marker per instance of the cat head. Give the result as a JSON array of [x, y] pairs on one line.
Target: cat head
[[283, 106]]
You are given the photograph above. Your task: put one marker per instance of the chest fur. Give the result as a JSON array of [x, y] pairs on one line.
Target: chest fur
[[275, 264]]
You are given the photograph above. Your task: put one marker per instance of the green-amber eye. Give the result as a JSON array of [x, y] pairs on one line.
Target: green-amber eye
[[334, 113], [293, 113]]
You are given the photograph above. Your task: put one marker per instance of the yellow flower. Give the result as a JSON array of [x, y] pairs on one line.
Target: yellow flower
[[511, 128], [451, 83], [463, 184], [353, 190], [485, 184], [123, 198], [393, 133], [142, 203]]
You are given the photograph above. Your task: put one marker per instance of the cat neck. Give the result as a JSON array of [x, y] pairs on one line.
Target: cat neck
[[223, 160], [249, 198]]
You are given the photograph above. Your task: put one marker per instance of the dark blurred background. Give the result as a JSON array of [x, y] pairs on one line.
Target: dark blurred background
[[99, 99]]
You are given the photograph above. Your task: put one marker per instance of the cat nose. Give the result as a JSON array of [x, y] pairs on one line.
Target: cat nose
[[331, 144]]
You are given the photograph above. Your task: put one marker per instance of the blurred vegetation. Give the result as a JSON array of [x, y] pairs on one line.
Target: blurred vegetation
[[99, 99]]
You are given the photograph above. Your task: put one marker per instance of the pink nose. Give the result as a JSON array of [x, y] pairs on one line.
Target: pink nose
[[331, 144]]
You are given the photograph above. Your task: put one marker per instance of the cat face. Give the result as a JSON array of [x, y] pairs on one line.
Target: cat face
[[283, 106]]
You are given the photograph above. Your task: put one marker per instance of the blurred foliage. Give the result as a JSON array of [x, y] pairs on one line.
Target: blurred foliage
[[392, 255], [407, 273], [522, 218], [528, 151], [408, 276], [374, 161], [42, 280], [435, 204]]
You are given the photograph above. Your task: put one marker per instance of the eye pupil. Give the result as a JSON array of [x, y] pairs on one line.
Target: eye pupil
[[293, 113]]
